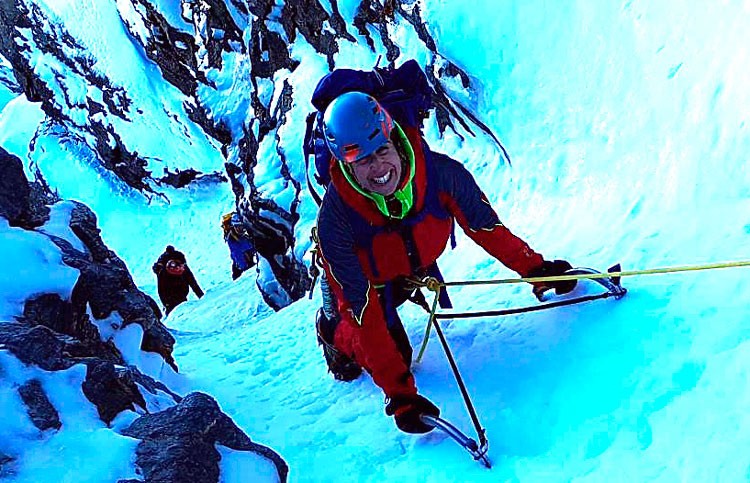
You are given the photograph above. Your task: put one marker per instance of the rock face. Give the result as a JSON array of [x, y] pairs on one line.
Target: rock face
[[54, 334], [14, 190], [83, 341], [42, 413], [105, 285], [110, 390], [178, 444], [5, 465], [37, 346], [22, 203]]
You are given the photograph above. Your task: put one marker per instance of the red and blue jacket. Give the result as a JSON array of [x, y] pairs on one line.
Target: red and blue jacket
[[362, 249]]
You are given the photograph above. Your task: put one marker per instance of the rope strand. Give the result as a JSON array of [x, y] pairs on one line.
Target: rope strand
[[652, 271], [436, 286]]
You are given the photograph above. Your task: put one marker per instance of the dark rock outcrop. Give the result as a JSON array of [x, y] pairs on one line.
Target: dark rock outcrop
[[21, 203], [41, 411], [172, 50], [49, 36], [57, 314], [178, 444], [53, 351], [105, 285], [372, 12], [215, 28], [37, 345], [83, 341], [271, 230], [182, 178], [6, 462], [111, 390], [14, 189], [49, 336], [177, 55], [308, 18], [269, 52]]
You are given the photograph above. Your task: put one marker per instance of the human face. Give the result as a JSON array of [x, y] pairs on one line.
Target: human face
[[380, 172], [175, 268]]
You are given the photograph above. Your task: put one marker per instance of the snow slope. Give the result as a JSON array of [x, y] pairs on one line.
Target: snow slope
[[628, 130]]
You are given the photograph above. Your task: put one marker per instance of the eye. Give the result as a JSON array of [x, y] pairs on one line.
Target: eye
[[382, 150]]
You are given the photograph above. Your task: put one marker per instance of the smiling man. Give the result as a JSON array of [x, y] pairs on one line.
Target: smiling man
[[386, 216]]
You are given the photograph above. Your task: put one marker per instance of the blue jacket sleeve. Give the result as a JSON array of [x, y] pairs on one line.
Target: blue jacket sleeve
[[466, 202], [337, 248]]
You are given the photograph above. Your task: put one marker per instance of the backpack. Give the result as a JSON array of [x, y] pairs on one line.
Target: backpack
[[403, 91]]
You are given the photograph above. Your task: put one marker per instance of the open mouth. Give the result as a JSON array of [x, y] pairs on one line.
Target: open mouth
[[381, 180]]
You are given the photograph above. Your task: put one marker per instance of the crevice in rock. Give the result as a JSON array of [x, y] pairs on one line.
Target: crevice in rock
[[286, 100]]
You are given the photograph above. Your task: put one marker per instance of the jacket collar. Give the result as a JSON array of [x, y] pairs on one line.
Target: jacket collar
[[366, 207]]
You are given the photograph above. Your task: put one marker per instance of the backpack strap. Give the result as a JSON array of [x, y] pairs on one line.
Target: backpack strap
[[309, 150]]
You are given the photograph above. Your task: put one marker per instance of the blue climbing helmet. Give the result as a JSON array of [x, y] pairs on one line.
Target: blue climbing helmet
[[355, 125]]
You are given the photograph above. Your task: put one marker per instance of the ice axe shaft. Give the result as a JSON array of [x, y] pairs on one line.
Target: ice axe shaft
[[479, 454], [459, 380]]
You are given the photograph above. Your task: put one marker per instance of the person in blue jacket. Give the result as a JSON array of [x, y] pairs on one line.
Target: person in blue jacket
[[241, 248]]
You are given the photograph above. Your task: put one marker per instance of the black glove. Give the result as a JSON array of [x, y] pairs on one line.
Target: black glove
[[551, 269], [406, 411]]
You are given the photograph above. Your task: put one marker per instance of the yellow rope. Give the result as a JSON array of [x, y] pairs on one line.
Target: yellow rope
[[651, 271], [435, 285], [430, 321]]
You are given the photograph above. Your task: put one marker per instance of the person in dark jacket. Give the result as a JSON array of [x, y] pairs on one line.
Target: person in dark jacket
[[387, 216], [174, 279]]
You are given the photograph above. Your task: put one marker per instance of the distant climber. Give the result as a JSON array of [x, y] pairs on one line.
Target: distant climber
[[174, 279], [241, 248]]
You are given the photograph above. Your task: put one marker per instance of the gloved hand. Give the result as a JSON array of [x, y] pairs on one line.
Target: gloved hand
[[406, 411], [551, 269], [157, 268]]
